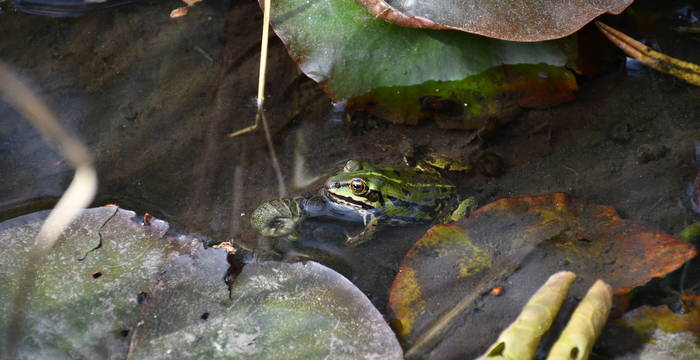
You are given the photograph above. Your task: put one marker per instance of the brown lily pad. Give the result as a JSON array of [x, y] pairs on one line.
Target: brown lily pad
[[506, 20], [514, 244]]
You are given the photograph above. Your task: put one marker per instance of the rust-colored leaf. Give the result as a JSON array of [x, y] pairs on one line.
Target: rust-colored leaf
[[445, 279], [634, 252], [506, 20]]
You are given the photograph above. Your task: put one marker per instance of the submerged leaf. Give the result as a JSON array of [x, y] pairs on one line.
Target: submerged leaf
[[534, 20], [405, 75], [516, 243]]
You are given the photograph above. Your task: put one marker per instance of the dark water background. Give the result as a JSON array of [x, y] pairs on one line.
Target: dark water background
[[154, 99]]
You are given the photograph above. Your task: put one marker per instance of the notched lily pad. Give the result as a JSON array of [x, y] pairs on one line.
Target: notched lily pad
[[405, 75], [275, 310], [516, 243], [113, 287], [86, 297], [533, 20]]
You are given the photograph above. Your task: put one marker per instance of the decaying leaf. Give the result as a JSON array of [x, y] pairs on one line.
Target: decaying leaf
[[534, 20], [179, 12], [182, 11], [445, 279]]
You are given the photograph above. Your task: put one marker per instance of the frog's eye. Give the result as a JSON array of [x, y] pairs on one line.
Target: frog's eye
[[352, 165], [359, 186]]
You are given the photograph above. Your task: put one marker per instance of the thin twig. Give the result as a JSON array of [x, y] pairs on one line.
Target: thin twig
[[205, 54], [261, 75], [572, 170], [79, 194], [259, 114], [688, 29], [281, 189]]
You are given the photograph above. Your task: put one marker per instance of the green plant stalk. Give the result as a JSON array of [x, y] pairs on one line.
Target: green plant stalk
[[586, 323], [520, 340]]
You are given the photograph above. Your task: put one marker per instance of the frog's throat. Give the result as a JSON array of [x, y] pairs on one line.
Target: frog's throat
[[348, 201]]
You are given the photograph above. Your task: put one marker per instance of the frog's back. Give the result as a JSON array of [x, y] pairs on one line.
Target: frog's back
[[421, 195]]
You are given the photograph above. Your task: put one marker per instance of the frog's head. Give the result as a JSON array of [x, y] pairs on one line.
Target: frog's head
[[357, 186]]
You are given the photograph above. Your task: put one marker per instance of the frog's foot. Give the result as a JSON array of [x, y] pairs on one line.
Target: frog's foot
[[431, 162], [278, 218], [364, 235], [463, 210], [444, 162]]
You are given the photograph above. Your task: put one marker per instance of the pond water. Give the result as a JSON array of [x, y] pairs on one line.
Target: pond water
[[154, 99]]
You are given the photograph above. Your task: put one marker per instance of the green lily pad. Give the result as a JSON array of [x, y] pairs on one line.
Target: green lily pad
[[405, 75], [513, 245], [275, 310], [113, 287], [85, 301]]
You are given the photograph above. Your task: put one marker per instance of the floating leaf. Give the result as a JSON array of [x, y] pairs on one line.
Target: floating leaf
[[404, 75], [508, 20], [86, 297], [516, 243], [275, 310], [113, 287]]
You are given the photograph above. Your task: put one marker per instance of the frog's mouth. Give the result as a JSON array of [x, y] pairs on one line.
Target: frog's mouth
[[347, 201]]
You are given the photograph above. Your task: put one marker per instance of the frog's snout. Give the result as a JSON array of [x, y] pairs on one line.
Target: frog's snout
[[333, 185]]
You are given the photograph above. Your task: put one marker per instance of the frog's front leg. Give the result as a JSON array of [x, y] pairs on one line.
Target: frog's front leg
[[463, 210], [371, 223]]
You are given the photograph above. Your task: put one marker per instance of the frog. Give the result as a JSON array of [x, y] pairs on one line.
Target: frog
[[375, 196]]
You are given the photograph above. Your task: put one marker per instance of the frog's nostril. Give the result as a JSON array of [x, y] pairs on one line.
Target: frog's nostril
[[336, 185]]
